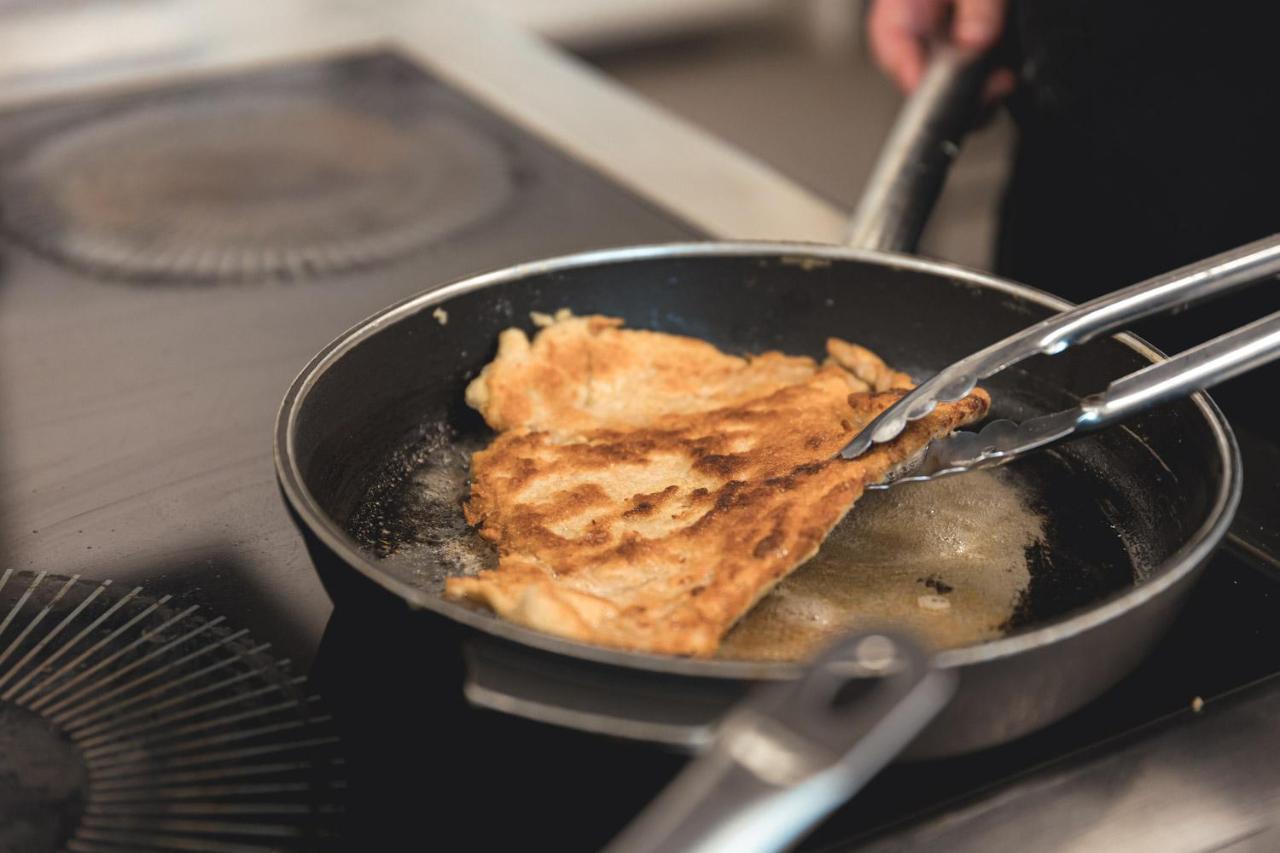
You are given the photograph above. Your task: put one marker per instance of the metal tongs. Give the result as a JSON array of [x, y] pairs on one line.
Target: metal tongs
[[1195, 369]]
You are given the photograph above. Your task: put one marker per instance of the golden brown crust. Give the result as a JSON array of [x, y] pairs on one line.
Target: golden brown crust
[[657, 533], [586, 372]]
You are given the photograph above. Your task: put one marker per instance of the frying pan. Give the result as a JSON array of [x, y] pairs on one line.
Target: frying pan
[[1131, 513]]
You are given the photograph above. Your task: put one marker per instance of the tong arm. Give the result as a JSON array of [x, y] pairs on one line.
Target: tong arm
[[1193, 370], [1203, 280]]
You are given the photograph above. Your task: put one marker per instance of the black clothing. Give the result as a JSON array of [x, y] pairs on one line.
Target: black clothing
[[1147, 139]]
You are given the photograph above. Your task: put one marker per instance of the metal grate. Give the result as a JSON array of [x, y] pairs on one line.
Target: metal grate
[[286, 182], [129, 722]]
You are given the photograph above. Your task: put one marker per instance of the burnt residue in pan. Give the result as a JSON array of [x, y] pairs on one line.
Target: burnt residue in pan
[[1096, 541], [411, 512], [1086, 553]]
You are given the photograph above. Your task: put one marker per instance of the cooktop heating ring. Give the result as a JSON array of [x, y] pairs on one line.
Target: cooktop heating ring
[[287, 182], [128, 722]]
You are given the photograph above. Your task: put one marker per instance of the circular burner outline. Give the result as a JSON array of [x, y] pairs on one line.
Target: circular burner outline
[[85, 195]]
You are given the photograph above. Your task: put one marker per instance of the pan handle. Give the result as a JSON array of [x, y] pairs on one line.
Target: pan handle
[[792, 752], [913, 164]]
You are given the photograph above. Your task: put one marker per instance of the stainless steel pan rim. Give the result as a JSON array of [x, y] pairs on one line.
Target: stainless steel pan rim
[[1198, 547]]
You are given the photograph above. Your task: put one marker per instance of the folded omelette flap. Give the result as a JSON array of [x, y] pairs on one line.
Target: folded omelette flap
[[646, 489]]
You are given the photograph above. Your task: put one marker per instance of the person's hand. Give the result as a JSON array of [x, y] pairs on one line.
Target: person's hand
[[898, 30]]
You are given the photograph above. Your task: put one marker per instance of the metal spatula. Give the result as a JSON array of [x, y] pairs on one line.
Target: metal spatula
[[1195, 369]]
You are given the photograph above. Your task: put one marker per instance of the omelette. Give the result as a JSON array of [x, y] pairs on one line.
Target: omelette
[[645, 490]]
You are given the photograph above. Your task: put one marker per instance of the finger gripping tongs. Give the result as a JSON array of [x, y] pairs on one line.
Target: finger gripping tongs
[[1195, 369]]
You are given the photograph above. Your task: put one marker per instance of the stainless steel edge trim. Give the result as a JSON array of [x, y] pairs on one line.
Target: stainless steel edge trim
[[1200, 544]]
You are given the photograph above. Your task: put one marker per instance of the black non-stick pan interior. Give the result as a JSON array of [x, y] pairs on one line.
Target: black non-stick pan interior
[[383, 432]]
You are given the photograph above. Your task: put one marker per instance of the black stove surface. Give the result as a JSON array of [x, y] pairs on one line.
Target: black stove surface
[[135, 422]]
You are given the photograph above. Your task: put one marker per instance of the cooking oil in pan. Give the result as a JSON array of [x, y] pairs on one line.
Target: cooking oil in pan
[[962, 560], [946, 560]]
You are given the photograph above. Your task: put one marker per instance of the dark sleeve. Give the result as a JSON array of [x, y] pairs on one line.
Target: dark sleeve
[[1147, 139]]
